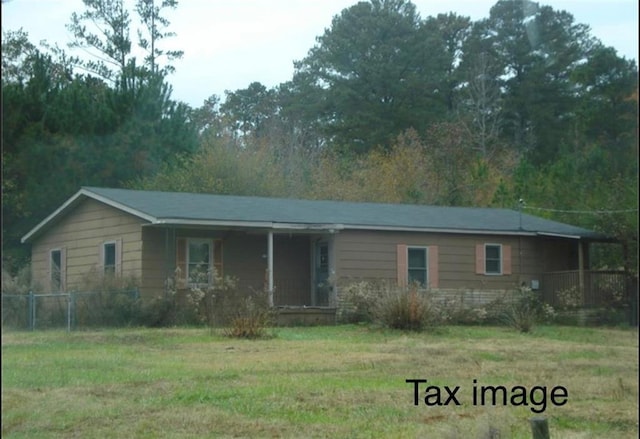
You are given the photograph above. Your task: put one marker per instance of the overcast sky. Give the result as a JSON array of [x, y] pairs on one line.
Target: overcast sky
[[230, 43]]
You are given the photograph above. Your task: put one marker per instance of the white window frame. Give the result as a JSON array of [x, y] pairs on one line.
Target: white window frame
[[60, 270], [210, 263], [486, 260], [115, 258], [426, 264]]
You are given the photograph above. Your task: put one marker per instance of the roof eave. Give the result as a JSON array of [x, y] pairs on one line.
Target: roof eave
[[441, 230], [327, 227], [588, 237], [245, 224], [71, 202]]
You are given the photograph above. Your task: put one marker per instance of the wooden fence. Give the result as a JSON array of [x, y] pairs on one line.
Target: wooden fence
[[599, 288]]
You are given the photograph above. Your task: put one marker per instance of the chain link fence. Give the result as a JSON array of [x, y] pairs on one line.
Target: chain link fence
[[74, 310]]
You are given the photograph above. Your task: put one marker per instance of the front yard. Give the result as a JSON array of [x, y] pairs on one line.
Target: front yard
[[341, 381]]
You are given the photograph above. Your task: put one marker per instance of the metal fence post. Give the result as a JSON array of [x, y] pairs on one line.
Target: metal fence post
[[68, 312], [31, 309], [74, 317]]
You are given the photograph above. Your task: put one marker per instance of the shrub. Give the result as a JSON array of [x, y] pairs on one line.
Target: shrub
[[14, 313], [217, 303], [18, 284], [613, 290], [202, 303], [251, 318], [107, 301], [390, 306], [406, 310], [454, 311], [359, 302], [526, 310], [569, 298], [157, 312], [609, 316]]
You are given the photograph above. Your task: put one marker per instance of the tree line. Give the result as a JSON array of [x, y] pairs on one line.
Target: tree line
[[387, 106]]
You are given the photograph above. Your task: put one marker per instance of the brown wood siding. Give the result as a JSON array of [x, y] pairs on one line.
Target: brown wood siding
[[434, 266], [560, 255], [243, 259], [292, 269], [373, 255], [155, 264], [80, 233]]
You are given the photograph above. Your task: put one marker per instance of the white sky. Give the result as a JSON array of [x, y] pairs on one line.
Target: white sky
[[230, 43]]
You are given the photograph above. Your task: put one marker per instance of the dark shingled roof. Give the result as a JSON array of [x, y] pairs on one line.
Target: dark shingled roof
[[207, 209], [180, 205]]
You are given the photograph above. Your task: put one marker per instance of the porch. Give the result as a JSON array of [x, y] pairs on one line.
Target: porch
[[587, 288], [293, 267]]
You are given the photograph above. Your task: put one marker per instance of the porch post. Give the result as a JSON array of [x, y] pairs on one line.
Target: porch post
[[270, 266], [167, 274], [581, 268]]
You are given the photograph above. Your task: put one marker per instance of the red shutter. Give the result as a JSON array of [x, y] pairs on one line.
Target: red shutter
[[181, 263], [433, 266], [402, 265], [480, 268], [506, 259]]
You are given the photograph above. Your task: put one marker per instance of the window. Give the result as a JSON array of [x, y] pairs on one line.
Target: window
[[417, 265], [493, 259], [109, 257], [196, 260], [56, 271]]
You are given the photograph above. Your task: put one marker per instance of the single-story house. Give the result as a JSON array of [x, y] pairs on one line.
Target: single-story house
[[301, 251]]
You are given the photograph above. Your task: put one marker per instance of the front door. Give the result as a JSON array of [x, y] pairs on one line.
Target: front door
[[321, 262]]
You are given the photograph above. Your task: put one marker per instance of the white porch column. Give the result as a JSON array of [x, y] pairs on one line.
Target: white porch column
[[270, 266]]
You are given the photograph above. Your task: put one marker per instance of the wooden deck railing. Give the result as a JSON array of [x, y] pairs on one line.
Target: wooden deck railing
[[600, 288]]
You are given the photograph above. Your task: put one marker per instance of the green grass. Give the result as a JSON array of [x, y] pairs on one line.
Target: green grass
[[342, 381]]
